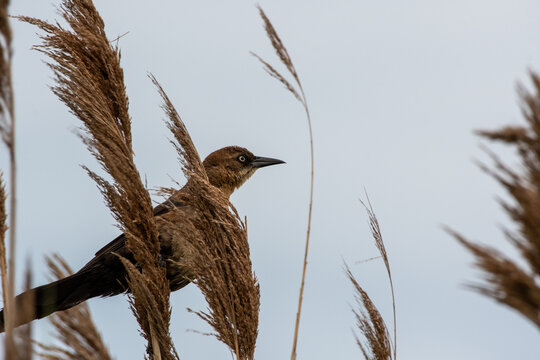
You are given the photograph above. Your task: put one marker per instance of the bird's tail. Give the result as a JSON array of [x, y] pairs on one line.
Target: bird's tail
[[56, 296]]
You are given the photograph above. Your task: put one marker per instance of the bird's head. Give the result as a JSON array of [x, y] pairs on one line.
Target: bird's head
[[230, 167]]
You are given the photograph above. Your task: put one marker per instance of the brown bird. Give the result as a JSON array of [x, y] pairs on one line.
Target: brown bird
[[105, 275]]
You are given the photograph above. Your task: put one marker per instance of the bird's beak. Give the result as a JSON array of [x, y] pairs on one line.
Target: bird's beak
[[260, 162]]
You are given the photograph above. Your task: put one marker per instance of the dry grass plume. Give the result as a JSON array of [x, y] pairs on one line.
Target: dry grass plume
[[379, 243], [376, 343], [90, 81], [217, 252], [506, 280], [298, 92]]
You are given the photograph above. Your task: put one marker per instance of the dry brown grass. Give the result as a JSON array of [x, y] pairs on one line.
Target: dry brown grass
[[216, 252], [379, 243], [376, 343], [505, 280], [298, 93], [89, 80], [74, 328], [3, 229], [18, 343], [7, 132], [7, 128]]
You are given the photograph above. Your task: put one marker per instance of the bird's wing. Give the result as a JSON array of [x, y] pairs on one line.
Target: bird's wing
[[120, 241], [113, 246], [118, 245]]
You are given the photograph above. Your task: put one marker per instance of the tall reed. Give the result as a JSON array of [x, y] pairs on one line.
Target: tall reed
[[376, 343], [7, 133], [90, 81], [216, 249], [507, 281], [298, 92]]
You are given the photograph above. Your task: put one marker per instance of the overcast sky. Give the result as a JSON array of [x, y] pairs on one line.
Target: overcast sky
[[396, 89]]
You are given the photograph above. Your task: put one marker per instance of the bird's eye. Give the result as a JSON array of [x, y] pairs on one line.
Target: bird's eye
[[242, 158]]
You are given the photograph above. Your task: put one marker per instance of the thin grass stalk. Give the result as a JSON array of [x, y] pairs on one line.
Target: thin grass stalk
[[308, 232], [379, 243], [9, 341], [10, 305], [7, 130], [3, 229], [299, 94], [394, 314]]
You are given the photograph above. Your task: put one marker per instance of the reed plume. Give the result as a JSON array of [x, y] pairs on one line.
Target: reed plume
[[74, 327], [506, 280], [379, 243], [216, 250], [298, 92], [90, 81], [376, 343]]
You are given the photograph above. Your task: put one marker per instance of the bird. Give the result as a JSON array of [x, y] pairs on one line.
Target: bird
[[104, 275]]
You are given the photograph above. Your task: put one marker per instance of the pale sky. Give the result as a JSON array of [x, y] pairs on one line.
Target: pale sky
[[396, 89]]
